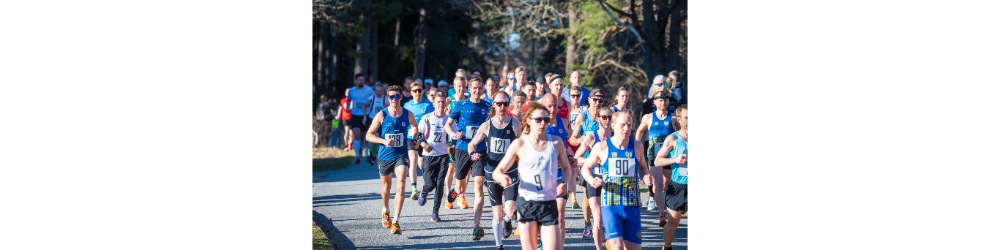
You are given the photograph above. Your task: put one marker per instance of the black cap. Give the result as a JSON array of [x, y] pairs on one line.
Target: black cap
[[531, 79], [659, 95]]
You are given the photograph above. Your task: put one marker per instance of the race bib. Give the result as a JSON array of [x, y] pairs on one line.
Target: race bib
[[359, 105], [398, 137], [591, 133], [682, 169], [437, 136], [470, 131], [656, 147], [621, 167], [499, 146], [537, 182], [572, 117]]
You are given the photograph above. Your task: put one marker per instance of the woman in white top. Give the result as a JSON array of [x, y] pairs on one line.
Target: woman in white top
[[538, 157]]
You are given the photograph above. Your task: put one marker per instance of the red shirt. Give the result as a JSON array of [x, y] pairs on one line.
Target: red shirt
[[345, 113]]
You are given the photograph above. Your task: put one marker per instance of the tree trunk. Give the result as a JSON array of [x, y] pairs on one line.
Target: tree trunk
[[570, 41], [650, 28], [373, 47], [676, 62], [398, 24], [418, 66], [360, 63]]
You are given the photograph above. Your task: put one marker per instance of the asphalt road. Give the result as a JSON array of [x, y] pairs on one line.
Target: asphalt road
[[347, 204]]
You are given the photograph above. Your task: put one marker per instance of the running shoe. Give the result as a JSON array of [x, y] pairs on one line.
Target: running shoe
[[663, 220], [451, 196], [395, 228], [588, 234], [477, 233], [448, 205], [575, 205], [500, 247], [415, 194], [434, 217], [371, 161], [507, 229], [461, 201], [540, 244], [385, 219], [357, 160], [606, 245], [516, 233], [423, 199], [652, 204]]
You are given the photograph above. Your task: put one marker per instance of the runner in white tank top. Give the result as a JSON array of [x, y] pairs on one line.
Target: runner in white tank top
[[538, 155]]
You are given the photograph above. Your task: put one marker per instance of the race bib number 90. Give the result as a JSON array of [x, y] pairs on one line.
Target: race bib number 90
[[499, 146], [621, 167], [397, 137], [470, 131]]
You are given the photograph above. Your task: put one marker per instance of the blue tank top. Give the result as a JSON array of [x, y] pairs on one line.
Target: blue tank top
[[394, 128], [586, 154], [589, 123], [679, 171], [560, 131], [621, 177], [659, 129]]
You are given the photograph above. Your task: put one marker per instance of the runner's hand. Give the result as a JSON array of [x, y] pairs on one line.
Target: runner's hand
[[428, 148], [503, 179], [572, 161], [456, 136], [684, 159], [597, 182], [647, 180], [389, 143], [475, 156]]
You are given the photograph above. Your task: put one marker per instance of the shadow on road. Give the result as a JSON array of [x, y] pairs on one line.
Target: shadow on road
[[337, 238]]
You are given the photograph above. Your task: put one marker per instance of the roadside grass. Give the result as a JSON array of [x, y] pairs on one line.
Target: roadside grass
[[326, 159], [319, 241]]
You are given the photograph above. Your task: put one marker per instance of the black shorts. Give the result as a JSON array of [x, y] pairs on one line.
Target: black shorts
[[677, 196], [593, 192], [498, 193], [387, 167], [464, 163], [546, 213], [356, 122]]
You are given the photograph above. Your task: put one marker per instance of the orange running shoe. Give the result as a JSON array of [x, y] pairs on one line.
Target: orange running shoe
[[395, 228], [385, 219], [663, 220], [461, 201], [516, 233], [448, 205]]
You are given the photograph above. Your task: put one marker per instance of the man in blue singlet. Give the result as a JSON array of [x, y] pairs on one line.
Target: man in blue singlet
[[393, 123], [675, 147], [658, 125], [622, 166], [468, 114]]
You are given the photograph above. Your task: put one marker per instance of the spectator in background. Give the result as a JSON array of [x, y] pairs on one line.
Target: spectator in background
[[406, 84], [541, 88], [477, 73], [443, 86], [323, 116], [658, 85]]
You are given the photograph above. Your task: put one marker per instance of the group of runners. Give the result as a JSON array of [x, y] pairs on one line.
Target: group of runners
[[529, 151]]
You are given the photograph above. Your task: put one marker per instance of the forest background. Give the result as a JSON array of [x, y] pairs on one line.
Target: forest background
[[615, 43]]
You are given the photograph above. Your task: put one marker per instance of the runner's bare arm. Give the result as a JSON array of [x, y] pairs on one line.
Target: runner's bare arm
[[647, 179], [447, 129], [592, 162], [565, 164], [584, 147], [577, 125], [661, 157], [512, 155], [517, 126], [643, 127], [479, 136], [371, 136]]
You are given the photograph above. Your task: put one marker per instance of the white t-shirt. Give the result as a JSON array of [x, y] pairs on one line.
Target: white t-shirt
[[377, 104], [359, 98], [433, 129]]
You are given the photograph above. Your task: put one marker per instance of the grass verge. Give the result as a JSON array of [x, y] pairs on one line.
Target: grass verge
[[319, 241], [327, 159]]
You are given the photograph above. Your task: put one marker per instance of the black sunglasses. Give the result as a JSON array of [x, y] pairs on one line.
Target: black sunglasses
[[574, 96], [541, 120], [501, 104]]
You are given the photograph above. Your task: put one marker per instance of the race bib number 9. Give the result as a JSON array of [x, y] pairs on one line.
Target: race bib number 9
[[538, 181], [499, 146], [398, 137], [470, 131], [621, 167]]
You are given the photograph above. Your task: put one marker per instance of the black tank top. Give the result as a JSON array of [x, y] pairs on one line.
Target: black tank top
[[497, 143]]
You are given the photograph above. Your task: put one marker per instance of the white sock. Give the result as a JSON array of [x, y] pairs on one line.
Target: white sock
[[395, 219], [385, 209], [506, 219], [498, 233]]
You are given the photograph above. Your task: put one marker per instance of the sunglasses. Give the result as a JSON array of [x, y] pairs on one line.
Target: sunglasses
[[597, 99], [541, 119], [605, 117], [574, 96], [501, 104], [417, 90], [396, 97]]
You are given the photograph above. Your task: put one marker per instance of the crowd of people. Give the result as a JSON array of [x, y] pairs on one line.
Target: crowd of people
[[527, 142]]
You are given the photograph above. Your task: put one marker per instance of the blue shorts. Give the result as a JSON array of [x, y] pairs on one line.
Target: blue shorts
[[622, 221]]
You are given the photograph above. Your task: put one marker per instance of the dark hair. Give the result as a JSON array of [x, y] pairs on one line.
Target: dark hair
[[358, 75], [396, 88]]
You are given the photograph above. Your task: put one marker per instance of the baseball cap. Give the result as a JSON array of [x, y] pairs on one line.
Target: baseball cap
[[442, 83], [428, 80]]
